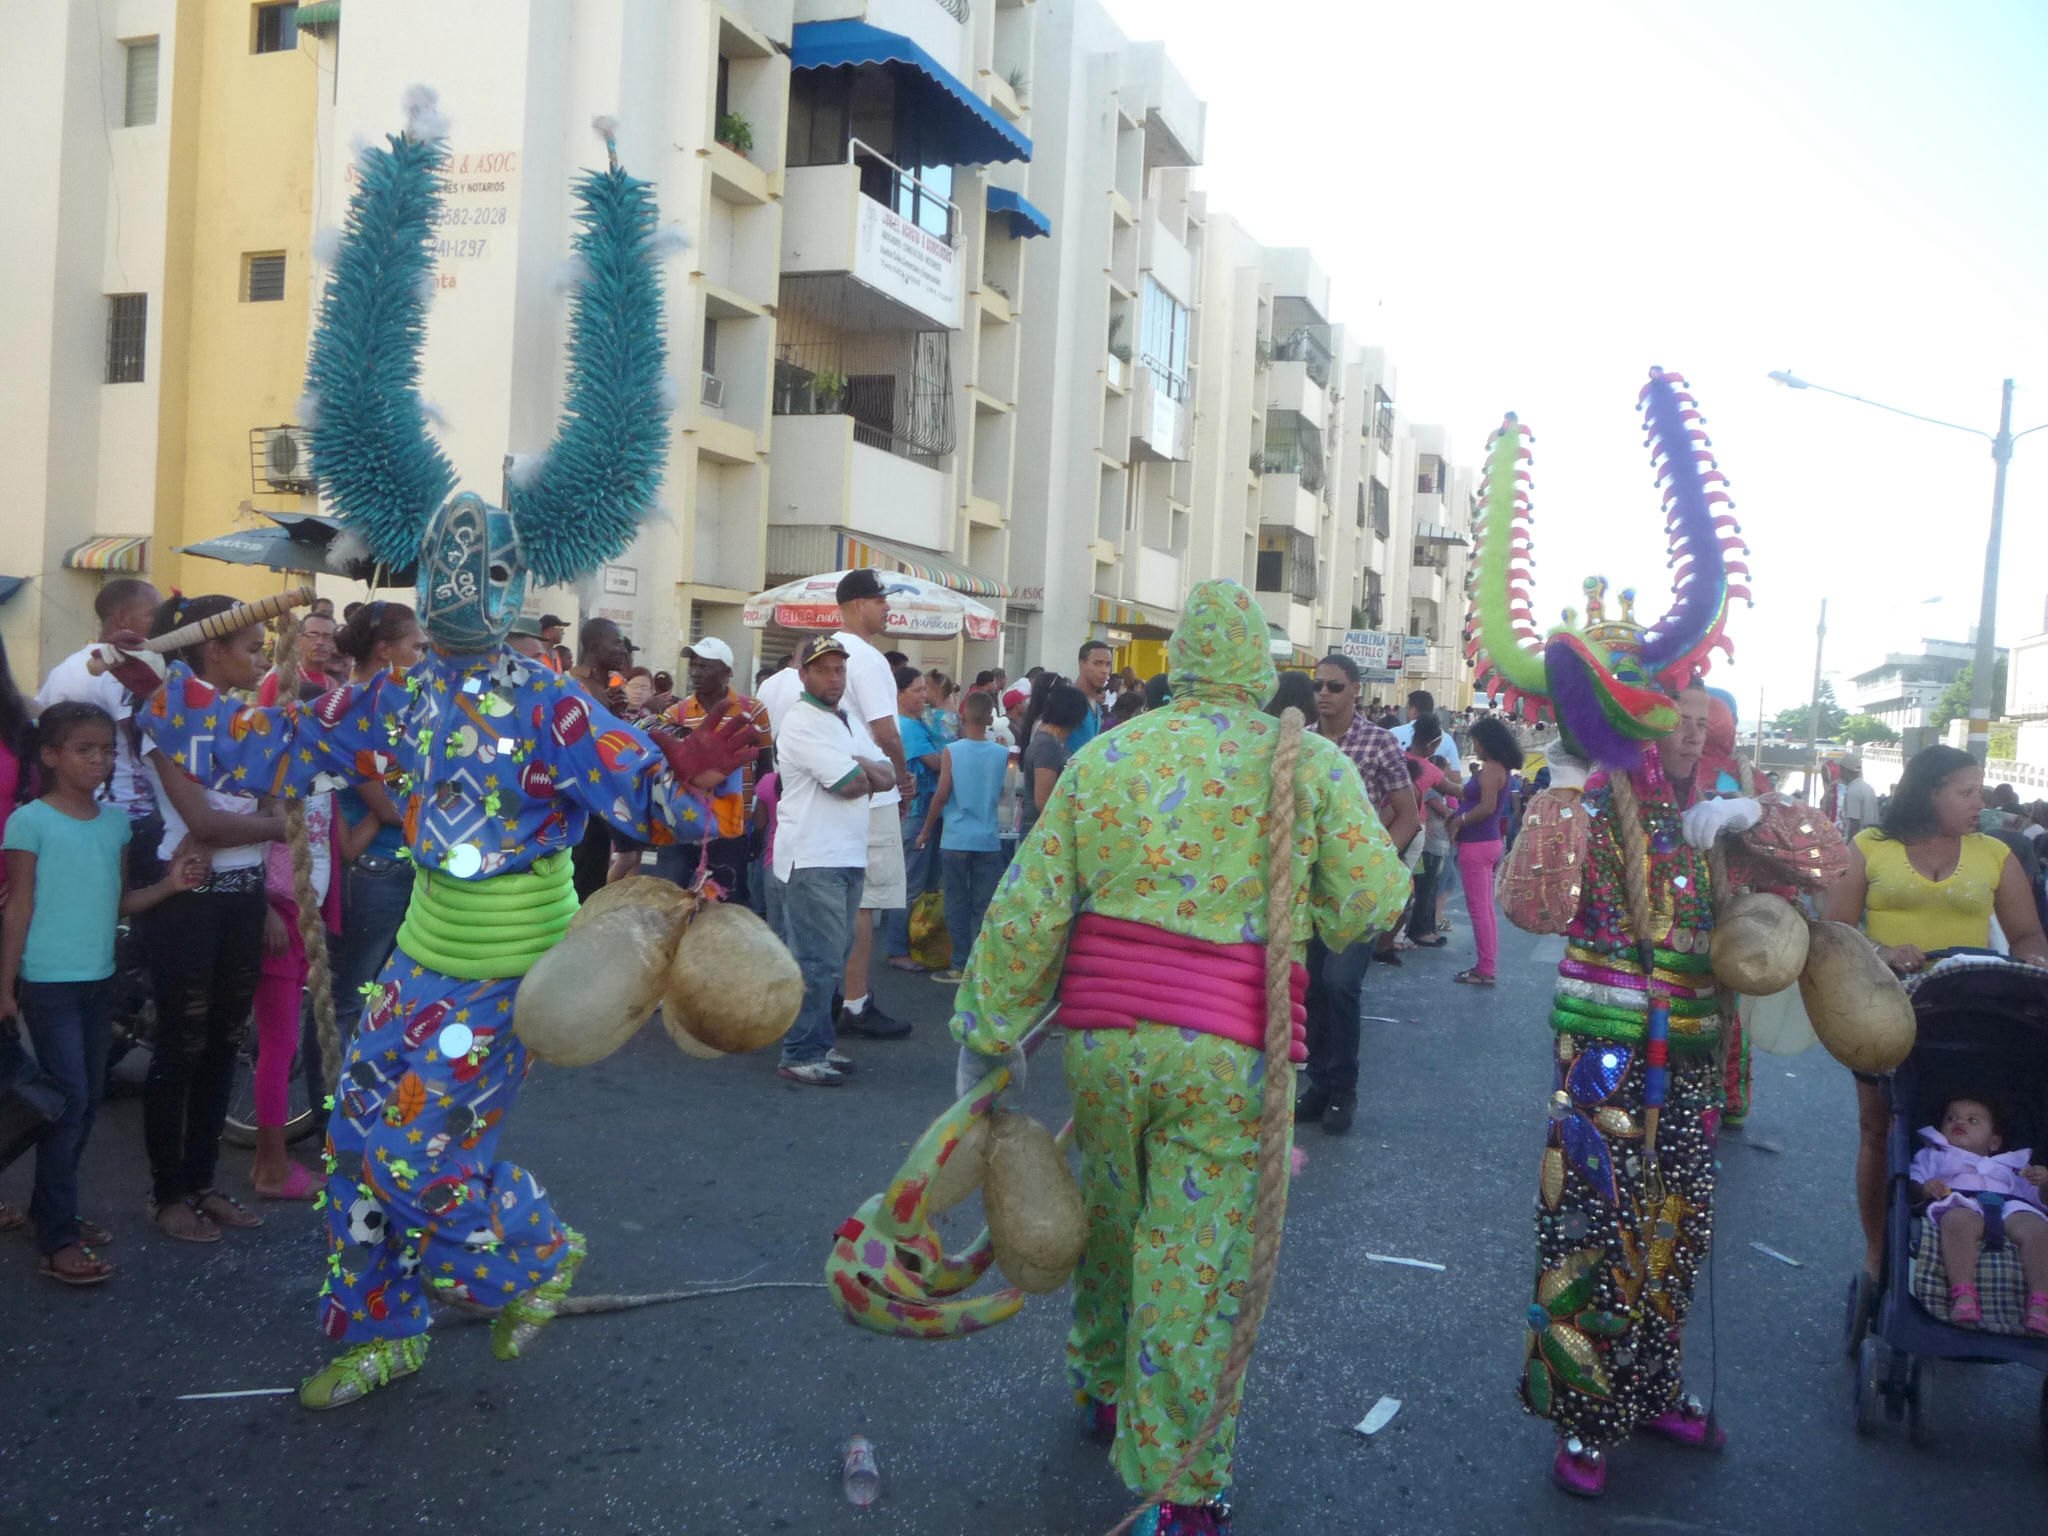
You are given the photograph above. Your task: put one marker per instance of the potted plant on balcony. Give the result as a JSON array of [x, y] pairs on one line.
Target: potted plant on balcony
[[735, 133], [828, 392]]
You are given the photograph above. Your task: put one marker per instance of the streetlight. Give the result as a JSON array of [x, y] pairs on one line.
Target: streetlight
[[1987, 614]]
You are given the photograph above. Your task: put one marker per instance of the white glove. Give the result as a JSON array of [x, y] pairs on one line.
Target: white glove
[[972, 1066], [1566, 771], [1707, 821]]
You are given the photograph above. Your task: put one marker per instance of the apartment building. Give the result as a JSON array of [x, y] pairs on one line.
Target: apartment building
[[1191, 410], [900, 299], [1105, 475], [161, 196]]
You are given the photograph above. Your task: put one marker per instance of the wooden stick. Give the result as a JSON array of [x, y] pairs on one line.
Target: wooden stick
[[227, 622]]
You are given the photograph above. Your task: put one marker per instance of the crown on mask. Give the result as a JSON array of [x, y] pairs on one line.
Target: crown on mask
[[1619, 636]]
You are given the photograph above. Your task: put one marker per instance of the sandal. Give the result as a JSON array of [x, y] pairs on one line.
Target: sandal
[[299, 1184], [224, 1210], [905, 963], [92, 1234], [1964, 1308], [180, 1219], [1474, 978], [2037, 1313], [10, 1218], [1437, 942], [88, 1269]]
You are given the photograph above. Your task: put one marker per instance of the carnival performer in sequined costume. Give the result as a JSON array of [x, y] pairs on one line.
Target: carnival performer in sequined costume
[[497, 762], [1623, 863], [1147, 863]]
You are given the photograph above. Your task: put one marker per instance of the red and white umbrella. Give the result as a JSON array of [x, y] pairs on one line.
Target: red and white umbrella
[[917, 608]]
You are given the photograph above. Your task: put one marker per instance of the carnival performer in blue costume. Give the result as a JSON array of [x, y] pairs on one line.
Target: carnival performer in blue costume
[[499, 763]]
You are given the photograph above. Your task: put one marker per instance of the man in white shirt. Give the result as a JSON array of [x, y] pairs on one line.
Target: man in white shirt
[[821, 850], [870, 705], [1858, 802], [127, 604], [778, 691]]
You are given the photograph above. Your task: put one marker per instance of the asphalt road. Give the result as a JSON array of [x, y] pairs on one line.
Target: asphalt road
[[726, 1415]]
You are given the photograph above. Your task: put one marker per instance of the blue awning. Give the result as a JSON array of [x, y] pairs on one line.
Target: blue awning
[[1025, 220], [971, 131]]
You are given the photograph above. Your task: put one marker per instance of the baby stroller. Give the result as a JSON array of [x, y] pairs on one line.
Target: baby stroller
[[1983, 1029]]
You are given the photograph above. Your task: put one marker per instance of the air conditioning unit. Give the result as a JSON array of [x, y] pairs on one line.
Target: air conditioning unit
[[287, 459], [714, 392]]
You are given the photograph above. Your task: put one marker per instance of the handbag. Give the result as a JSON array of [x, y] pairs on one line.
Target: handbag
[[30, 1099]]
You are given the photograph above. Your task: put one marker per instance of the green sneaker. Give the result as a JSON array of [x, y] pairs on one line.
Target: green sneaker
[[521, 1320], [359, 1371]]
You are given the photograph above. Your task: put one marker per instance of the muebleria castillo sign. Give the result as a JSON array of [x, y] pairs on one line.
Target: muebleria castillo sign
[[1378, 653]]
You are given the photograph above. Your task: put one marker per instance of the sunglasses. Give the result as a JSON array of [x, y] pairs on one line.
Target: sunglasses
[[1324, 685]]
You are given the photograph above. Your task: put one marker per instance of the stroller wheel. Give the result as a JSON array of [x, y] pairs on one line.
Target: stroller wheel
[[1862, 1307], [1864, 1400], [1919, 1389]]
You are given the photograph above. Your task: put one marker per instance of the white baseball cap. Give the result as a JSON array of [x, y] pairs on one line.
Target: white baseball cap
[[710, 648]]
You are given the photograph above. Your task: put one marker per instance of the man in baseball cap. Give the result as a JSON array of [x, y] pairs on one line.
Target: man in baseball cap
[[731, 852], [552, 628]]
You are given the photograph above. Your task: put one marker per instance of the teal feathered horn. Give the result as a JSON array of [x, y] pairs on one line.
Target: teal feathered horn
[[581, 503], [372, 454]]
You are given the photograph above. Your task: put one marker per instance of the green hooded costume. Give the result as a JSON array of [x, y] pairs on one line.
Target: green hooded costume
[[1162, 821]]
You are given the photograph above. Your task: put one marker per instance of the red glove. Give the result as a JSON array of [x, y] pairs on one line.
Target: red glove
[[138, 670], [720, 744]]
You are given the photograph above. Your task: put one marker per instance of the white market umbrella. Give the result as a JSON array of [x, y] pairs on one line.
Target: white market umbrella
[[917, 608]]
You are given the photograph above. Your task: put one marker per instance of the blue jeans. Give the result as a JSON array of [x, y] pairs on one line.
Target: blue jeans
[[70, 1023], [818, 910], [920, 867], [374, 894], [1336, 980], [969, 880]]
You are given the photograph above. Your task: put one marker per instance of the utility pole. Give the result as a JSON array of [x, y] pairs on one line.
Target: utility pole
[[1820, 640], [1987, 614]]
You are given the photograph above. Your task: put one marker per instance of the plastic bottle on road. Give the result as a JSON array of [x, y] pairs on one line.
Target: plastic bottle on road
[[860, 1474]]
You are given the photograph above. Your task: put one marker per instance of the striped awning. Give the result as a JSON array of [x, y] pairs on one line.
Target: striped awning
[[109, 552], [1121, 615], [797, 550], [325, 13]]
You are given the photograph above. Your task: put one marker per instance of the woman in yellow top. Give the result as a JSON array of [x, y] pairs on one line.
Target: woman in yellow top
[[1925, 880]]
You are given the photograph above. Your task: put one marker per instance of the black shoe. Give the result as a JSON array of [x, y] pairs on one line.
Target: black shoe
[[1337, 1118], [1387, 957], [872, 1024], [1312, 1105]]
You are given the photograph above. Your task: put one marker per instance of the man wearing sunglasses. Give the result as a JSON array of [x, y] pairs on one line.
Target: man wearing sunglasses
[[1337, 977]]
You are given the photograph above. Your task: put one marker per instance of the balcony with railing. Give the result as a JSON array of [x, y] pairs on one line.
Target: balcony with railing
[[1308, 345], [881, 229]]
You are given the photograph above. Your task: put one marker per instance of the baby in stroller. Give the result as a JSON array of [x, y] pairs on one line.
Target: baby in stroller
[[1969, 1182]]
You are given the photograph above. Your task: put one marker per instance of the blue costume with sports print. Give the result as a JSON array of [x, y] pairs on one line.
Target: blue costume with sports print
[[500, 764]]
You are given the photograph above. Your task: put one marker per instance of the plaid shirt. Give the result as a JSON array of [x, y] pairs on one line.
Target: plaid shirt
[[1378, 759], [733, 810]]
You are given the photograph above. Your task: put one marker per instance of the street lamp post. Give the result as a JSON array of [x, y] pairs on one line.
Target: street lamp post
[[1987, 612]]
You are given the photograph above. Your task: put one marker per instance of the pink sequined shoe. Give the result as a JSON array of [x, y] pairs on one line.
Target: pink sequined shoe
[[1688, 1424], [1098, 1419], [1579, 1470], [1207, 1519]]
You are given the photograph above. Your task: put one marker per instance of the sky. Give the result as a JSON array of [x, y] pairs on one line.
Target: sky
[[1531, 205]]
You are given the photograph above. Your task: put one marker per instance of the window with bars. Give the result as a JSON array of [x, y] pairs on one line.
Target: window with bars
[[262, 277], [276, 29], [138, 96], [127, 331]]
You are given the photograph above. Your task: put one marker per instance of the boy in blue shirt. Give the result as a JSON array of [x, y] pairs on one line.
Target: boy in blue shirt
[[970, 852]]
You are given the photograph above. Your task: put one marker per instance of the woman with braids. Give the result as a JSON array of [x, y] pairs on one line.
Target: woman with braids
[[1148, 860], [205, 946]]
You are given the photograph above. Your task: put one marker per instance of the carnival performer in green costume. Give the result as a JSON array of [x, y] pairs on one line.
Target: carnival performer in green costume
[[1140, 902]]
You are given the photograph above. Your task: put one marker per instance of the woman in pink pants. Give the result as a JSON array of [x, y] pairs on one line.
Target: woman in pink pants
[[279, 994], [1481, 828]]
